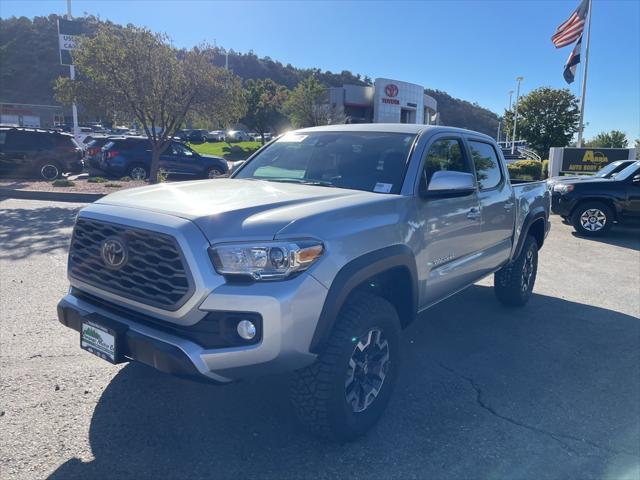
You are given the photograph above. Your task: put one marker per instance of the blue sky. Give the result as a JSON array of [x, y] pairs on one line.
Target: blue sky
[[472, 49]]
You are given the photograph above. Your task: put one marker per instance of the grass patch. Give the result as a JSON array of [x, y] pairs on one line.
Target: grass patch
[[97, 180], [112, 185], [63, 182], [229, 151]]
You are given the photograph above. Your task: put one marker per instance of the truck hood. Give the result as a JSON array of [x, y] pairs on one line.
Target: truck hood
[[230, 210]]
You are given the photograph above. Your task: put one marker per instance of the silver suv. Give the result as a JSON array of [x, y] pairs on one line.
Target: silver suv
[[311, 259]]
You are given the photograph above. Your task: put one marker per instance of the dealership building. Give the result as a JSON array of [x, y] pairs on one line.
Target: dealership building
[[387, 101]]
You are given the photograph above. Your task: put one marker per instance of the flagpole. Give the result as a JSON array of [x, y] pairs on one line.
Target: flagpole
[[584, 78]]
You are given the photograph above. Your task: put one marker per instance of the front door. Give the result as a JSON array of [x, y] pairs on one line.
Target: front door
[[179, 159], [497, 205], [450, 226], [632, 212]]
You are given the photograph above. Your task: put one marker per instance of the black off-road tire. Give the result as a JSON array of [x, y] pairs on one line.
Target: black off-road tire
[[513, 283], [319, 392], [600, 212]]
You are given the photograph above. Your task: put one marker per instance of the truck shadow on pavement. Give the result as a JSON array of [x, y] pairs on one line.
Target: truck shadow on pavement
[[619, 236], [550, 390], [28, 231]]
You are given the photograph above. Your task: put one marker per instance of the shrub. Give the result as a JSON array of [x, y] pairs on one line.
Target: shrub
[[545, 169], [97, 180], [525, 169], [125, 179], [112, 185], [63, 182]]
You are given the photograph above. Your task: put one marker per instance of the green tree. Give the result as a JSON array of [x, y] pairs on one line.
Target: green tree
[[547, 117], [308, 105], [612, 139], [265, 99], [134, 71]]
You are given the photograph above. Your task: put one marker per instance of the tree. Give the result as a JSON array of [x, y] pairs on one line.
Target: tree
[[612, 139], [308, 105], [134, 71], [547, 117], [265, 99]]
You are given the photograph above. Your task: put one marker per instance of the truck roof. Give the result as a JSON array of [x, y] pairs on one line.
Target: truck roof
[[408, 128]]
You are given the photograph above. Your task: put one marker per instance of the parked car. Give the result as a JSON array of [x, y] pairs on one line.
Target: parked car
[[44, 154], [594, 205], [237, 136], [93, 150], [215, 136], [197, 136], [131, 156], [311, 259], [607, 171]]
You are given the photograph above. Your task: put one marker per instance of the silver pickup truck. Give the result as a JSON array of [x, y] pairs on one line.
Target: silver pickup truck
[[311, 259]]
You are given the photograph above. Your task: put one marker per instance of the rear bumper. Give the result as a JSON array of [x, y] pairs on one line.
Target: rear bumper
[[76, 166]]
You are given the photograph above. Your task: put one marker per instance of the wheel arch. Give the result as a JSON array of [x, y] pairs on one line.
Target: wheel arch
[[535, 223], [608, 201], [390, 272]]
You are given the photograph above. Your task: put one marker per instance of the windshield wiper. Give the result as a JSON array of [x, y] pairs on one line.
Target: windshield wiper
[[301, 181]]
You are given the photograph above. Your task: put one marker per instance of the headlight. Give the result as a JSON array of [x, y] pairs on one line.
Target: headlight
[[563, 188], [265, 260]]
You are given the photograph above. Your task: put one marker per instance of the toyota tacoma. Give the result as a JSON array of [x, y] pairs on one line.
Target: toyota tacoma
[[311, 259]]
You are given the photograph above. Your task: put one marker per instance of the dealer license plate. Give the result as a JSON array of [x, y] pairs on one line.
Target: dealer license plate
[[99, 340]]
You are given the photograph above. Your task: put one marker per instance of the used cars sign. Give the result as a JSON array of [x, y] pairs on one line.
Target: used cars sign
[[69, 32]]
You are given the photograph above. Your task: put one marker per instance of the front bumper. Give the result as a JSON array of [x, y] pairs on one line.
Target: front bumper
[[561, 204], [288, 311]]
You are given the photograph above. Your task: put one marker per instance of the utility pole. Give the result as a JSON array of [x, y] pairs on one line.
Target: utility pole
[[72, 76], [506, 139], [584, 78], [515, 117]]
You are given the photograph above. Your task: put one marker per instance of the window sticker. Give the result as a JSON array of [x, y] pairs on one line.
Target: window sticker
[[293, 138], [383, 187]]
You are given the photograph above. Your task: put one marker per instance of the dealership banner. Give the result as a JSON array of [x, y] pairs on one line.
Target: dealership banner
[[590, 160], [69, 32]]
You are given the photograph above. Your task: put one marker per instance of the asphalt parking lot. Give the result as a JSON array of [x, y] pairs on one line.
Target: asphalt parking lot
[[548, 391]]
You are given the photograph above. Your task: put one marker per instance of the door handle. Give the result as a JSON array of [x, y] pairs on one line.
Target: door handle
[[473, 214], [508, 205]]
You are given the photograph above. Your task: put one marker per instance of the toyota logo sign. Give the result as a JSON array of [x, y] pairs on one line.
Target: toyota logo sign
[[391, 90], [113, 253]]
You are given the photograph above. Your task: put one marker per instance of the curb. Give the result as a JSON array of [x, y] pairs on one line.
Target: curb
[[51, 196]]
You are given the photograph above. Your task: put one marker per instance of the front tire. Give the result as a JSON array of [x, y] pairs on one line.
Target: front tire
[[513, 283], [592, 219], [344, 393], [214, 172], [49, 171], [138, 172]]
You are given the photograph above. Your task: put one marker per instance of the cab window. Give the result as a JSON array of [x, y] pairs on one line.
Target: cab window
[[446, 154], [487, 166]]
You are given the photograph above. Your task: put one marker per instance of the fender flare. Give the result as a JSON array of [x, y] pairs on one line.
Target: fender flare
[[533, 216], [354, 274]]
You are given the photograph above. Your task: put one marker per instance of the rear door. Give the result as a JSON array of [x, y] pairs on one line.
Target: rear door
[[450, 227], [497, 204]]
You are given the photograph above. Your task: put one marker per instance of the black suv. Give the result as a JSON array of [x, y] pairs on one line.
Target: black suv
[[45, 154], [594, 205], [131, 156]]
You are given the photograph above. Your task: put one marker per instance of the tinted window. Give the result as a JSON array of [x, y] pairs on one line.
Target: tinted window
[[372, 161], [445, 154], [3, 137], [19, 140], [487, 166]]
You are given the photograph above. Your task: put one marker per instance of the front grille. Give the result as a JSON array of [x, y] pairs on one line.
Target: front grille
[[154, 272]]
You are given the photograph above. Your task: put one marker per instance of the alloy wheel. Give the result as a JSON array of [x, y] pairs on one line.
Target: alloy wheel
[[214, 173], [593, 219], [368, 367], [49, 171], [138, 173]]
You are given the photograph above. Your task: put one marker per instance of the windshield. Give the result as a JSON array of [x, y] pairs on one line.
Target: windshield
[[628, 171], [610, 169], [370, 161]]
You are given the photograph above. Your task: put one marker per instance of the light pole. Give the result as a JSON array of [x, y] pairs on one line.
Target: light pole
[[72, 76], [506, 139], [515, 117]]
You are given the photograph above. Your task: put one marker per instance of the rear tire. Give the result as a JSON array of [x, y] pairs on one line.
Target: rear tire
[[214, 172], [344, 393], [138, 171], [592, 219], [513, 283], [49, 170]]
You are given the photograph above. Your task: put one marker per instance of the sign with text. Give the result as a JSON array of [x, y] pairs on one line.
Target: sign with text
[[69, 32], [590, 160]]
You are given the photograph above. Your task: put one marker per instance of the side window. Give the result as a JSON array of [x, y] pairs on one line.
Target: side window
[[445, 154], [18, 140], [487, 166], [3, 138]]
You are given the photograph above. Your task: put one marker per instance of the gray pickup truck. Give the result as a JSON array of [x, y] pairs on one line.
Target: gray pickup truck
[[311, 259]]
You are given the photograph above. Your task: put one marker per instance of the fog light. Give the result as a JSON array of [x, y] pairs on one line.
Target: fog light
[[246, 329]]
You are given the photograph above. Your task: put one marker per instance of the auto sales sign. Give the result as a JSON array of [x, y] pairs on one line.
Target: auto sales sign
[[590, 160], [69, 32]]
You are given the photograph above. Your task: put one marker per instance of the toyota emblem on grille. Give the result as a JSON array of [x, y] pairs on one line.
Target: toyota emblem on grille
[[114, 253]]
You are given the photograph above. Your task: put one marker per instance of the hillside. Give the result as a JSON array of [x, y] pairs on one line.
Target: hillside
[[29, 64]]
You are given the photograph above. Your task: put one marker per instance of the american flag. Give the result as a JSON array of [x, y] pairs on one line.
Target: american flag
[[571, 30]]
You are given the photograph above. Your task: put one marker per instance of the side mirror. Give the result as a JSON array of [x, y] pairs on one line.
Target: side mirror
[[449, 184], [636, 179]]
